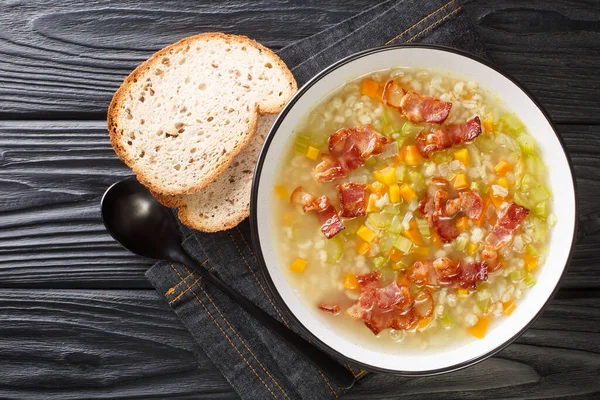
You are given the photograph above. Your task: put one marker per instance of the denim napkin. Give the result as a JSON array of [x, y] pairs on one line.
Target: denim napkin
[[256, 363]]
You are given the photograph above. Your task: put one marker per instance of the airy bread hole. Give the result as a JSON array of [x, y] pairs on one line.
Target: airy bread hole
[[129, 142], [243, 48], [182, 60], [183, 110], [249, 77], [180, 127], [186, 80], [202, 86], [142, 99], [158, 72], [128, 113], [159, 132], [142, 154], [193, 150], [142, 121], [269, 65], [280, 93], [214, 65], [177, 167], [165, 61], [209, 119], [157, 149]]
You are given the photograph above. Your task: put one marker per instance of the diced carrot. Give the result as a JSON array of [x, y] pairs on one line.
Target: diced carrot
[[435, 239], [480, 328], [370, 88], [488, 124], [378, 188], [472, 248], [460, 182], [496, 200], [395, 254], [531, 263], [407, 193], [462, 155], [386, 175], [502, 168], [312, 153], [508, 307], [282, 192], [350, 282], [503, 182], [420, 251], [366, 234], [394, 193], [462, 223], [371, 207], [414, 236], [423, 322], [363, 247], [299, 265], [412, 157]]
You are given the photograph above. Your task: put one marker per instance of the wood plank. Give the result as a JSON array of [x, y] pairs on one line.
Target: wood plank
[[101, 345], [53, 174], [65, 59], [71, 344]]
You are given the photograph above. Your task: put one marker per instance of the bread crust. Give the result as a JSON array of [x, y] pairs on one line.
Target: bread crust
[[162, 187]]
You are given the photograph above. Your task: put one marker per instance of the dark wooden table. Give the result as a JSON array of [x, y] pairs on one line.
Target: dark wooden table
[[77, 317]]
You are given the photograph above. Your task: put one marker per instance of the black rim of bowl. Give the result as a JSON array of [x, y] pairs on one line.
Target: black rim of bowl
[[254, 222]]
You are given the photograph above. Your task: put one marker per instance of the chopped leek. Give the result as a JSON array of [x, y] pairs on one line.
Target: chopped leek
[[483, 294], [484, 305], [386, 242], [335, 249], [512, 123], [403, 244], [527, 144], [396, 224], [380, 220], [461, 242], [539, 194], [423, 228], [517, 275], [400, 173], [529, 280], [540, 228], [379, 262], [409, 128], [531, 250], [446, 320], [541, 209], [302, 143]]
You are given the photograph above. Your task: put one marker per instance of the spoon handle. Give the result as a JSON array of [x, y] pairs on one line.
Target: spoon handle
[[339, 374]]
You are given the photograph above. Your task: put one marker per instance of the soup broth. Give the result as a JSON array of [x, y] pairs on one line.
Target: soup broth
[[457, 211]]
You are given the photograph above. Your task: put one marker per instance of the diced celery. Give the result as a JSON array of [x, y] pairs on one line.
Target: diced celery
[[379, 262], [527, 183], [529, 280], [409, 128], [541, 209], [417, 180], [446, 320], [484, 305], [393, 208], [540, 228], [403, 244], [380, 220], [527, 143], [517, 275], [386, 242], [539, 193], [302, 143], [423, 228], [401, 173], [335, 249], [461, 242], [511, 123], [535, 165], [396, 225], [531, 250]]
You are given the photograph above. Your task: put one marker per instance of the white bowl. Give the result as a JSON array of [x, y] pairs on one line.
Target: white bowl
[[503, 330]]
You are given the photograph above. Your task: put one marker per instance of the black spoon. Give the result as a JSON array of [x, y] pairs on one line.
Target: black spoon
[[136, 220]]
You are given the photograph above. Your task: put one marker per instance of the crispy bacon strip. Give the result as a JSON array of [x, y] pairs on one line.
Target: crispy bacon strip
[[417, 108], [330, 308], [471, 204], [448, 136], [446, 272], [383, 307], [348, 149], [353, 199], [505, 227], [331, 224]]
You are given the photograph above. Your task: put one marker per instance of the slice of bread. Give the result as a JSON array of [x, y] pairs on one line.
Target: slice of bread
[[182, 116], [225, 202]]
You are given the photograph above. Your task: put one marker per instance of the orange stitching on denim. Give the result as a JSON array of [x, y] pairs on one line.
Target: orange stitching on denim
[[266, 293], [225, 334], [418, 23], [188, 286], [171, 290], [335, 394], [439, 21], [242, 341], [254, 274]]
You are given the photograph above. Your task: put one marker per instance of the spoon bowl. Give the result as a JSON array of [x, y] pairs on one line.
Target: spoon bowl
[[136, 220]]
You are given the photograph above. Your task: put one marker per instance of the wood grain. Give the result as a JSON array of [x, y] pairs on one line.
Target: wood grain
[[63, 60], [127, 343], [53, 174]]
